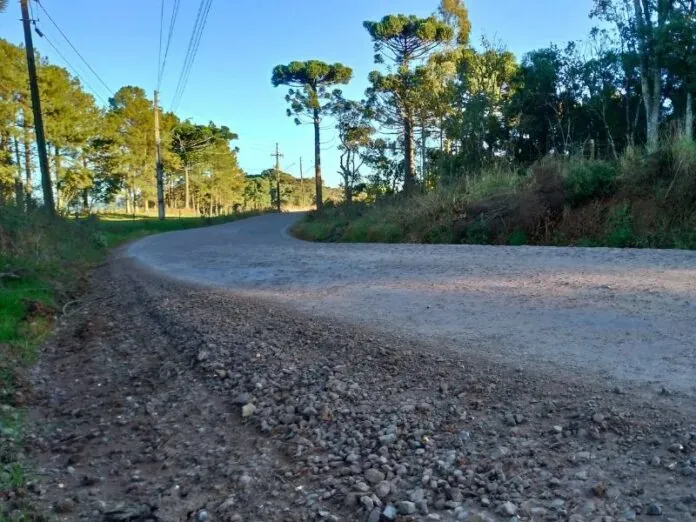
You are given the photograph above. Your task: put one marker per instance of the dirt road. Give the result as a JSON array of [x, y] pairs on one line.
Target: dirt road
[[625, 315], [159, 400]]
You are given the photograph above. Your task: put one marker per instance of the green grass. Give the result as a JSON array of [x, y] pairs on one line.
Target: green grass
[[117, 228], [44, 264]]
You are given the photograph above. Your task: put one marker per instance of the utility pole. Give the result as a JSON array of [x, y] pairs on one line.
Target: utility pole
[[36, 108], [277, 156], [302, 200], [159, 169]]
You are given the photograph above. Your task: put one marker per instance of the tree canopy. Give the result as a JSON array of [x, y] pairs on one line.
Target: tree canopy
[[311, 92]]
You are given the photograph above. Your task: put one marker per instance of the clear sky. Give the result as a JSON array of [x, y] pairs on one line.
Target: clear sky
[[245, 39]]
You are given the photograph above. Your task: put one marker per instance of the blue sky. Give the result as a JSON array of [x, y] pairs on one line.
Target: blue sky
[[245, 39]]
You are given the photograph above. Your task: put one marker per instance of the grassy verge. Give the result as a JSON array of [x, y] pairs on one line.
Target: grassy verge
[[44, 264], [636, 201]]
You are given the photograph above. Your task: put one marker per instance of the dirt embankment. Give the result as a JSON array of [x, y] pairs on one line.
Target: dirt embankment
[[160, 401]]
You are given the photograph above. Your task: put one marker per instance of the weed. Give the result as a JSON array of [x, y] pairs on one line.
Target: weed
[[517, 238], [587, 180], [620, 233]]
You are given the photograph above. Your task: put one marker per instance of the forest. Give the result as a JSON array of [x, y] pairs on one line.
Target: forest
[[587, 142]]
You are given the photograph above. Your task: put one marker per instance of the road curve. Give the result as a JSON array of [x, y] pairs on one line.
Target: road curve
[[624, 315]]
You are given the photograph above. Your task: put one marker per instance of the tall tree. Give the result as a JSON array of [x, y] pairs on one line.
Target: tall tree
[[71, 118], [309, 94], [643, 22], [194, 145], [678, 37], [355, 134], [131, 117], [405, 41]]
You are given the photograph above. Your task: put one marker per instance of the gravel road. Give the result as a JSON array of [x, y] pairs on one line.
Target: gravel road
[[621, 314], [456, 399]]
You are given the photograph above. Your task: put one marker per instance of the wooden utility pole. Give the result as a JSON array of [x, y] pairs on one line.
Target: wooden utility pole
[[159, 169], [36, 108], [277, 156], [302, 198]]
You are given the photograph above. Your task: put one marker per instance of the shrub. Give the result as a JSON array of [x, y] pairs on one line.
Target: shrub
[[491, 182], [588, 180], [681, 192], [517, 238], [620, 233]]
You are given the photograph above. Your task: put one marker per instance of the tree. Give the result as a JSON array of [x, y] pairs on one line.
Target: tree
[[402, 40], [71, 118], [678, 37], [130, 117], [642, 22], [309, 95], [205, 148], [13, 106], [355, 134], [482, 90]]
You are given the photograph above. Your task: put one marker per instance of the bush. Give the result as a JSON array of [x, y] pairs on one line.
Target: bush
[[587, 180], [620, 233], [517, 238], [681, 191]]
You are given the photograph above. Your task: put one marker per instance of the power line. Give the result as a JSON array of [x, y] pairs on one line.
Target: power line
[[172, 23], [192, 50], [159, 54], [71, 66], [73, 47]]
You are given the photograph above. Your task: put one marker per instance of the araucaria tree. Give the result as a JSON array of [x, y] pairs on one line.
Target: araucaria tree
[[405, 41], [310, 93]]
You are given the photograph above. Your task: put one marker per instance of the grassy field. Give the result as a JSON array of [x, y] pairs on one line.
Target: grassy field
[[44, 266]]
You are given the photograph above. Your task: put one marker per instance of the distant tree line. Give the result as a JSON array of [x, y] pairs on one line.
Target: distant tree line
[[106, 155]]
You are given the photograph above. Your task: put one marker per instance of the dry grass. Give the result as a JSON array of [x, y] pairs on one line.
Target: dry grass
[[639, 201]]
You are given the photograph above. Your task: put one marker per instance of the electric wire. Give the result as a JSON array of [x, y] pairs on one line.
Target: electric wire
[[170, 34], [159, 54], [72, 68], [74, 48], [192, 50]]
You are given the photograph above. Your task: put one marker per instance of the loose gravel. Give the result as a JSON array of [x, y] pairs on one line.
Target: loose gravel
[[167, 401]]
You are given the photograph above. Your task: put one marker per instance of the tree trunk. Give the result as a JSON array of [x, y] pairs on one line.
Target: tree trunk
[[650, 71], [27, 164], [689, 117], [317, 160], [85, 201], [19, 189], [424, 151], [653, 125], [187, 197], [442, 136], [409, 174], [652, 98], [58, 166]]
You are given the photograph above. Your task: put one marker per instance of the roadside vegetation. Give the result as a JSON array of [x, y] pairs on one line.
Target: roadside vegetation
[[641, 200], [581, 143], [45, 262]]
